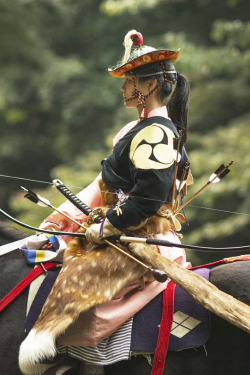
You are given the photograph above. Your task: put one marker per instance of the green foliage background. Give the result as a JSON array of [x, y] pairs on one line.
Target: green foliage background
[[59, 108]]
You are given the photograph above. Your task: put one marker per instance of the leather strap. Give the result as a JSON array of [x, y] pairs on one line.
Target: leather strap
[[164, 331], [6, 300]]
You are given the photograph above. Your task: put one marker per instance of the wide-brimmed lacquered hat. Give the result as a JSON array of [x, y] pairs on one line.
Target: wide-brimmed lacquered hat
[[141, 55]]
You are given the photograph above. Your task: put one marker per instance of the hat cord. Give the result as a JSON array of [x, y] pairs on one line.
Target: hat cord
[[141, 98]]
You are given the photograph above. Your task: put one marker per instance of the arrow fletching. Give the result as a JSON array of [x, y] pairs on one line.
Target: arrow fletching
[[176, 156], [180, 184], [221, 172], [35, 198], [181, 180]]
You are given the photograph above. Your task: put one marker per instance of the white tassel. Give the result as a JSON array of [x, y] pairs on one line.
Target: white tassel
[[34, 349], [128, 45]]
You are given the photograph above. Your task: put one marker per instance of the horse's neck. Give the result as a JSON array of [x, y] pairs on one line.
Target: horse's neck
[[9, 234]]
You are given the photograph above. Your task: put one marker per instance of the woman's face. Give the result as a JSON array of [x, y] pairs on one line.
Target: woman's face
[[128, 89]]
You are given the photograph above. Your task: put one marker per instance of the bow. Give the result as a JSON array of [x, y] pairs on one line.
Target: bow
[[71, 234], [150, 241], [215, 177]]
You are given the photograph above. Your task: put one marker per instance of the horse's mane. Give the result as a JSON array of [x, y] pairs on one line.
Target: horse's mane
[[9, 234]]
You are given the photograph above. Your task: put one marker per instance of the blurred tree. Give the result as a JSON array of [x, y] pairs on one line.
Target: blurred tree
[[59, 108]]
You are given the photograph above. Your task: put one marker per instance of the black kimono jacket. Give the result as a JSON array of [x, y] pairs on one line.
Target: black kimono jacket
[[142, 164]]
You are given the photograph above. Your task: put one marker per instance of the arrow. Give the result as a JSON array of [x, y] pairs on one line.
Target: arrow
[[43, 202], [215, 177], [181, 183], [176, 168]]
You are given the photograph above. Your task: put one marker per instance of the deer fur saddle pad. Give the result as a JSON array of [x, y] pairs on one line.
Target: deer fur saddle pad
[[191, 322]]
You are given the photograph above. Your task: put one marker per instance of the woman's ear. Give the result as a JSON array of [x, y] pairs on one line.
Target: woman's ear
[[152, 83]]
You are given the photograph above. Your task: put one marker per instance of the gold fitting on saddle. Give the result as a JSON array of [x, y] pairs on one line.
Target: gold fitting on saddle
[[96, 212]]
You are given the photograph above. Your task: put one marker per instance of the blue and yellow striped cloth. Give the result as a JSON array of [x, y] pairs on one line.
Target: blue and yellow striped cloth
[[33, 253]]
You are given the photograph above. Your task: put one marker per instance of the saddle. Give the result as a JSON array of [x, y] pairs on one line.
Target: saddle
[[190, 328]]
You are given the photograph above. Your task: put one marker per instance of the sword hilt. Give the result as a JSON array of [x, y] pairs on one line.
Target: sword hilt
[[75, 200]]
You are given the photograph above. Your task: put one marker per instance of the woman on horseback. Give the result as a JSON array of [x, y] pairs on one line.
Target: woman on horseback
[[143, 159], [140, 181]]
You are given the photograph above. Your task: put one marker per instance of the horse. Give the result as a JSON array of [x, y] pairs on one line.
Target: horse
[[226, 352], [12, 318]]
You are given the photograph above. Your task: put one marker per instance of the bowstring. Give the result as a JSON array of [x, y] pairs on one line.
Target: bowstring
[[87, 188]]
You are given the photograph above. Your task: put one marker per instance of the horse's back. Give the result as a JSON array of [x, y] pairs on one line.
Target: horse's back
[[233, 278], [229, 347], [9, 234]]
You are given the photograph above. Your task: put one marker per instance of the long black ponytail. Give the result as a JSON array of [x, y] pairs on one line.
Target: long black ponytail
[[165, 74], [178, 105]]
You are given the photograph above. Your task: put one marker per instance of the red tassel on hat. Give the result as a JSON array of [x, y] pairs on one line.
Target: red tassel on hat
[[137, 39]]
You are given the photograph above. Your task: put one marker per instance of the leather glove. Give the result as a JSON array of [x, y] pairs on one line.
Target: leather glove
[[98, 232]]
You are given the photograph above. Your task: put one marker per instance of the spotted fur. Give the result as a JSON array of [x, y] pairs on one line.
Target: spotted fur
[[90, 275]]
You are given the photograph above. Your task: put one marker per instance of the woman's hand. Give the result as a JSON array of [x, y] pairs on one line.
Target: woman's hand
[[57, 222], [98, 232], [60, 223], [49, 225]]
